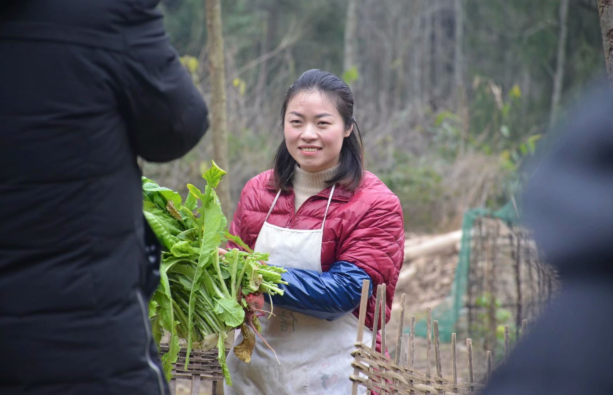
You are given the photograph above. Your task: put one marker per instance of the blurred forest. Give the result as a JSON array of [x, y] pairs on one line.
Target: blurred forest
[[450, 95]]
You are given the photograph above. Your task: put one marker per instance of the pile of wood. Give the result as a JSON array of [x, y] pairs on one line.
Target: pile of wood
[[429, 269]]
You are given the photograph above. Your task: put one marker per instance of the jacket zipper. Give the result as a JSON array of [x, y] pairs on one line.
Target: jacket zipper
[[152, 365]]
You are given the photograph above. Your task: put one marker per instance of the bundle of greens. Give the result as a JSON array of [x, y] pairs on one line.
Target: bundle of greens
[[202, 294]]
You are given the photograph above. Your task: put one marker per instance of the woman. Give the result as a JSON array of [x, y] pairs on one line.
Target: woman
[[332, 225]]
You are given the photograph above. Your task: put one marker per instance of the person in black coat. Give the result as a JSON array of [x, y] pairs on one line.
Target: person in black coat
[[569, 205], [85, 87]]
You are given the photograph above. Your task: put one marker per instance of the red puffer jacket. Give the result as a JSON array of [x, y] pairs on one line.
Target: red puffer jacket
[[364, 227]]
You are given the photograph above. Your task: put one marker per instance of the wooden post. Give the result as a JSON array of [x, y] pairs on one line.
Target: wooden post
[[437, 355], [173, 385], [412, 348], [361, 321], [429, 345], [404, 357], [469, 346], [383, 317], [400, 328], [375, 328], [195, 388], [454, 360]]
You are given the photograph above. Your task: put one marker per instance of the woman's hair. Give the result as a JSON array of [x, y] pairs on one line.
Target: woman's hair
[[351, 166]]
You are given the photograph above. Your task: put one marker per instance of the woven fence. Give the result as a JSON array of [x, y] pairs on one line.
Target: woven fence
[[203, 366], [381, 374]]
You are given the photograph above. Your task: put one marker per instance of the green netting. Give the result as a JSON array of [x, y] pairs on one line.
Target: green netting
[[448, 311]]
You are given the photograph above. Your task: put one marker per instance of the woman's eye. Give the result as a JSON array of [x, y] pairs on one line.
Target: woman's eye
[[324, 123], [294, 122]]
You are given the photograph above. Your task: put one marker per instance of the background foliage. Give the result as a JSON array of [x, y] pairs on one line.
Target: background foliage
[[445, 132]]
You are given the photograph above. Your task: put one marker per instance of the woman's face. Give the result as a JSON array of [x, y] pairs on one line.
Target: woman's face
[[314, 131]]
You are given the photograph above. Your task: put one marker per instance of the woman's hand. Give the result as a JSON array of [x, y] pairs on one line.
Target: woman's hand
[[224, 252]]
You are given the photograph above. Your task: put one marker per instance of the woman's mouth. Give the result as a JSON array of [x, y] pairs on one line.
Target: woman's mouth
[[309, 149]]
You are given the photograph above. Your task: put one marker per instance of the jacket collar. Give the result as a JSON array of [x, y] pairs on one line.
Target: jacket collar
[[340, 193]]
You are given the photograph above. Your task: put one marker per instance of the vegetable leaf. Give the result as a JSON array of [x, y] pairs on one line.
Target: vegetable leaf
[[168, 194], [221, 357], [214, 175], [191, 202], [230, 312], [237, 240]]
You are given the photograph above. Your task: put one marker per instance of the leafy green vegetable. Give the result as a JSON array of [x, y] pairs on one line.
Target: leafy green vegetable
[[202, 294]]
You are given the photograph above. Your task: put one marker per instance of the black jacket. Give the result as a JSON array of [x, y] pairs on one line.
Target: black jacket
[[569, 205], [85, 87]]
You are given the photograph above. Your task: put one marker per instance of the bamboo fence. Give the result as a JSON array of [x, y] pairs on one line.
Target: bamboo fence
[[203, 366], [380, 374]]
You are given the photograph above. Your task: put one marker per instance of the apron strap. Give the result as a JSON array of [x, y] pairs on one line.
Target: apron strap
[[327, 207], [273, 205], [274, 202]]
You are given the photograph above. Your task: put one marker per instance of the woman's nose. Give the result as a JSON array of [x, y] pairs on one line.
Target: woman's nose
[[309, 132]]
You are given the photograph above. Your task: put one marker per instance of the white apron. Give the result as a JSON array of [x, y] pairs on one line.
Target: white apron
[[315, 354]]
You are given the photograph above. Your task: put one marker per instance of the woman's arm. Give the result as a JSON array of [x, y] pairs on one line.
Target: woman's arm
[[328, 295], [373, 251], [376, 245]]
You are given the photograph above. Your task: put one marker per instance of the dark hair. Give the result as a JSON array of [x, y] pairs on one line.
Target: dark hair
[[351, 166]]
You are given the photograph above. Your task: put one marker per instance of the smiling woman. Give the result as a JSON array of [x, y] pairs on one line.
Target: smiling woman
[[314, 131], [320, 131], [331, 225]]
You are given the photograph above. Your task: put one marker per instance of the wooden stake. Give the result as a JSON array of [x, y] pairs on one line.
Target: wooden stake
[[469, 346], [524, 328], [375, 328], [437, 351], [361, 321], [404, 357], [429, 342], [412, 348], [437, 355], [195, 389], [454, 360], [400, 328], [383, 317], [429, 339]]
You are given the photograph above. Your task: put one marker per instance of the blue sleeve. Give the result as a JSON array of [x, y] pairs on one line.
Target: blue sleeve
[[328, 295]]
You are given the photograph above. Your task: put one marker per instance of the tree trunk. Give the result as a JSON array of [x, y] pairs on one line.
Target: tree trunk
[[416, 53], [605, 9], [458, 66], [427, 54], [439, 53], [271, 33], [558, 80], [217, 71], [351, 29]]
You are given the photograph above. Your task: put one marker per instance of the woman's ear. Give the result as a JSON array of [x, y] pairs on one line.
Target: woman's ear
[[348, 131]]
